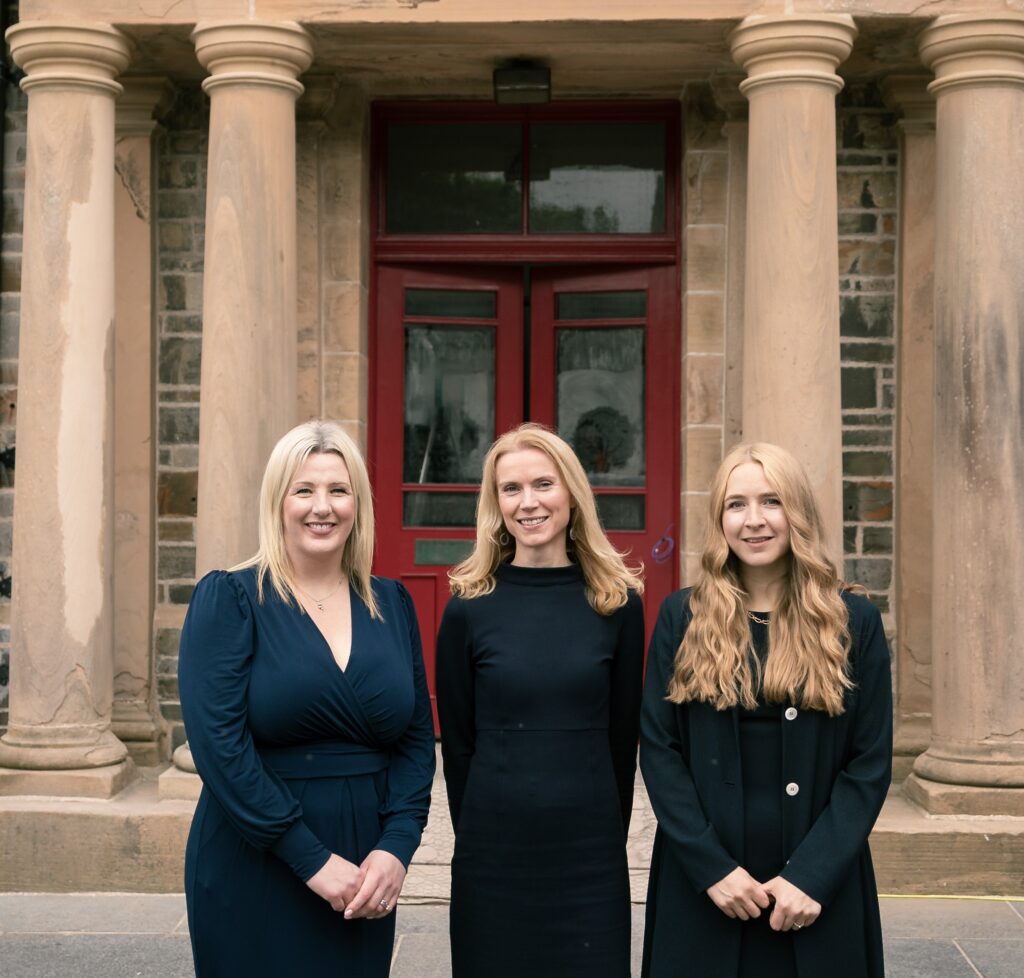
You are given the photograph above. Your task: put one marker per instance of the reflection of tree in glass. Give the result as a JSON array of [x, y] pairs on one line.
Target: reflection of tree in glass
[[603, 439]]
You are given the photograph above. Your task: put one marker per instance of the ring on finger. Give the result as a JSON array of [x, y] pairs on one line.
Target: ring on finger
[[797, 926]]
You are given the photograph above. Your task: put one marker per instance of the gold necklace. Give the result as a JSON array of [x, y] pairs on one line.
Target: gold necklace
[[760, 621], [319, 602]]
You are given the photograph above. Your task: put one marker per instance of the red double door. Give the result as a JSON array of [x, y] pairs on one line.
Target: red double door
[[462, 354]]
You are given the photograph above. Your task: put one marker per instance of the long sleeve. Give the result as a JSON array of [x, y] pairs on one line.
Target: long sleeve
[[217, 647], [411, 769], [826, 856], [455, 702], [663, 761], [627, 680]]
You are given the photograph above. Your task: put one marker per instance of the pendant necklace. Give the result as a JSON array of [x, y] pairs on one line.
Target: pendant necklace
[[319, 602]]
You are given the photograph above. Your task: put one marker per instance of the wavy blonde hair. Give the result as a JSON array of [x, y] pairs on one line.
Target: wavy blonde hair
[[809, 634], [287, 457], [607, 577]]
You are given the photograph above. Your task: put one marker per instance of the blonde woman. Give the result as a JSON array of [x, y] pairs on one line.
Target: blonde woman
[[306, 705], [766, 746], [539, 673]]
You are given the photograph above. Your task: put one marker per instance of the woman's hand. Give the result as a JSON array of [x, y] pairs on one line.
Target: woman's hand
[[383, 876], [739, 895], [793, 908], [337, 881]]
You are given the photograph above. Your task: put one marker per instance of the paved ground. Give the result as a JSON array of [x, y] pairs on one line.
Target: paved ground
[[103, 935]]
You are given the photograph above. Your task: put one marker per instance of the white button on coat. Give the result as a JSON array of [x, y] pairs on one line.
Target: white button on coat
[[791, 713], [792, 788]]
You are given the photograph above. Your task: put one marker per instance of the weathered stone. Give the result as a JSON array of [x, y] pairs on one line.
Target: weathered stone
[[180, 203], [14, 204], [859, 257], [867, 316], [881, 437], [867, 189], [176, 493], [858, 222], [176, 561], [175, 531], [859, 387], [867, 501], [867, 352], [874, 573], [850, 538], [10, 273], [180, 593], [177, 322], [179, 360], [172, 292], [867, 463], [877, 540], [178, 174], [167, 641], [176, 235], [179, 425]]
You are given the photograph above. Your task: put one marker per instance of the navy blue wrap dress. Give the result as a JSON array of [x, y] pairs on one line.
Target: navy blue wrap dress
[[299, 759]]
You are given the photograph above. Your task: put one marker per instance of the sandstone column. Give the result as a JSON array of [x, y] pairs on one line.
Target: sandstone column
[[247, 394], [915, 392], [136, 715], [975, 761], [247, 385], [791, 376], [62, 654]]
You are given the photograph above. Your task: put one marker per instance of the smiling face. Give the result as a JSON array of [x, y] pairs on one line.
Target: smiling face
[[318, 511], [753, 520], [535, 506]]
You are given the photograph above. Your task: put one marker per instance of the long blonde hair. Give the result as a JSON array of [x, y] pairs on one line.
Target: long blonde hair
[[607, 577], [808, 635], [287, 457]]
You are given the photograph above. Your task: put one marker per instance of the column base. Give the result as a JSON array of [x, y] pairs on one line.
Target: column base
[[979, 764], [59, 749], [939, 798], [140, 732], [909, 742], [180, 781], [92, 782]]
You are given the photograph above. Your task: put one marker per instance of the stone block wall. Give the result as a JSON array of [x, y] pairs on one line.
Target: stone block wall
[[867, 176], [15, 108]]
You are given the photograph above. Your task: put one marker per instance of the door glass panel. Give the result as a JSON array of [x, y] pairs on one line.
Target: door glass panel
[[439, 508], [601, 305], [600, 409], [621, 512], [449, 403], [447, 179], [451, 302], [597, 178]]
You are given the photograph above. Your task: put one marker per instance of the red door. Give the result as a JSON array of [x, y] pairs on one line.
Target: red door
[[463, 354]]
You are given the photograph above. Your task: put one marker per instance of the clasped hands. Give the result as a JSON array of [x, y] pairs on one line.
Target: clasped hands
[[740, 895], [369, 890]]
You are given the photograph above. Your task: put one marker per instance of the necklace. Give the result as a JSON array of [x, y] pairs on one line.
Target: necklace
[[760, 621], [319, 602]]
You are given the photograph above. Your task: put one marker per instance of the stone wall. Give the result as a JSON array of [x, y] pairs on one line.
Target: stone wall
[[15, 106], [867, 163]]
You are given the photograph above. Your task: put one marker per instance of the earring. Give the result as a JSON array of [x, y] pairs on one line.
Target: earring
[[504, 539], [572, 533]]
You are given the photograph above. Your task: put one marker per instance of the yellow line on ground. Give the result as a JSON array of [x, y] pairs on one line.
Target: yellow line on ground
[[948, 896]]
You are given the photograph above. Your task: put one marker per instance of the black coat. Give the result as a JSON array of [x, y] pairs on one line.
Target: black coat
[[690, 758]]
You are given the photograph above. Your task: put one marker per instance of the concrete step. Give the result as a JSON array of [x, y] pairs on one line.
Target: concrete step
[[136, 842]]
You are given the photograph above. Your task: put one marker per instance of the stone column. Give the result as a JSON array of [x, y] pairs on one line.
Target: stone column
[[915, 393], [247, 385], [136, 715], [247, 393], [975, 761], [59, 739], [791, 376]]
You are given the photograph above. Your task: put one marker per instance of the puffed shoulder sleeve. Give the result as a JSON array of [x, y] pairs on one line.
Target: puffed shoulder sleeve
[[217, 647], [665, 761], [411, 769], [456, 707]]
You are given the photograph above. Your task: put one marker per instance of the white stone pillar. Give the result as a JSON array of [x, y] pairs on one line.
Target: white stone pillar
[[247, 386], [975, 761], [136, 715], [915, 408], [61, 635], [791, 375]]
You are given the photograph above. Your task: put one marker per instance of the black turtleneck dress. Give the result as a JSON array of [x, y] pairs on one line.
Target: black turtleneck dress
[[539, 700]]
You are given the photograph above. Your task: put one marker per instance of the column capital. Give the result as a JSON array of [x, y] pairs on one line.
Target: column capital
[[785, 49], [145, 97], [253, 53], [910, 94], [69, 55], [966, 51]]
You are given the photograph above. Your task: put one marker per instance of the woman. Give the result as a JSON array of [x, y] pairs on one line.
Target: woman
[[766, 746], [306, 705], [539, 674]]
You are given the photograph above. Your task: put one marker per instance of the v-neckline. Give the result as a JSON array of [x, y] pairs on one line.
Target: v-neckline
[[352, 601]]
